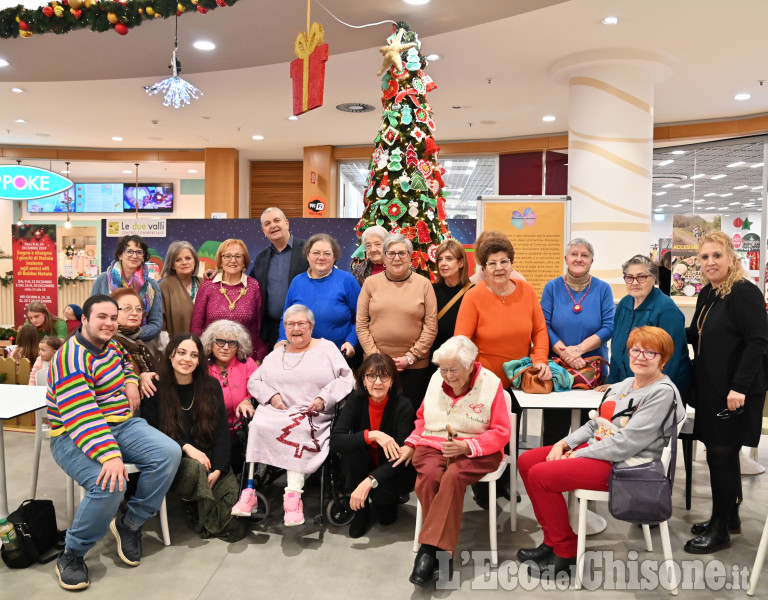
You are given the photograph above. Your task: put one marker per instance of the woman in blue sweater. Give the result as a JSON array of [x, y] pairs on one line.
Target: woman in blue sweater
[[645, 304], [329, 292], [578, 309]]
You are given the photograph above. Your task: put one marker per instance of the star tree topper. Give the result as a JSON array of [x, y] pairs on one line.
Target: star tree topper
[[392, 53]]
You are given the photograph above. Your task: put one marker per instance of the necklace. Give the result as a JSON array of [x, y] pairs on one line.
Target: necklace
[[232, 303], [190, 404], [286, 366], [502, 297], [577, 306], [703, 318], [398, 280]]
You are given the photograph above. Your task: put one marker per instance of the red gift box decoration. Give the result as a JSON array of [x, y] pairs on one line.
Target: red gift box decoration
[[308, 70]]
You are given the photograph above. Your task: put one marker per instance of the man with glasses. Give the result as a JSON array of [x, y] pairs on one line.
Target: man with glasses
[[274, 268]]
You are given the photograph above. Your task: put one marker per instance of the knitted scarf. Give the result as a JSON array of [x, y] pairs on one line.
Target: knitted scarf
[[139, 282]]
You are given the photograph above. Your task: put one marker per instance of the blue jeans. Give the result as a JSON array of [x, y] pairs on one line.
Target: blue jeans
[[155, 454]]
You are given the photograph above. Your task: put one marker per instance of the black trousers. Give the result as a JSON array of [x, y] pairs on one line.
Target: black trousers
[[358, 464], [557, 424], [415, 383]]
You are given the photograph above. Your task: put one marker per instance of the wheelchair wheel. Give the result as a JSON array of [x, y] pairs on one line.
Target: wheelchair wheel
[[262, 509], [338, 511]]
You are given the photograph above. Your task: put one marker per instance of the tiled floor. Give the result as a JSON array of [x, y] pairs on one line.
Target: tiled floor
[[308, 562]]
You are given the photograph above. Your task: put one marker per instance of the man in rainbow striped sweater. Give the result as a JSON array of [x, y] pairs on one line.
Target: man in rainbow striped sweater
[[92, 392]]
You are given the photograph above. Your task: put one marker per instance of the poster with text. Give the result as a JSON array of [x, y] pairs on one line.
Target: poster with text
[[537, 230], [34, 269], [686, 233]]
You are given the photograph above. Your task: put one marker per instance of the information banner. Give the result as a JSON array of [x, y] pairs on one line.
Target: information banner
[[34, 269], [536, 226], [686, 233]]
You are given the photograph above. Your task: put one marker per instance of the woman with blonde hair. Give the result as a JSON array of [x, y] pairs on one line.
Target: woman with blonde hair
[[729, 334], [45, 322]]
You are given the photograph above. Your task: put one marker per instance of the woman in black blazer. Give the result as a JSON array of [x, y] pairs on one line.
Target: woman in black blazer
[[729, 333], [368, 434]]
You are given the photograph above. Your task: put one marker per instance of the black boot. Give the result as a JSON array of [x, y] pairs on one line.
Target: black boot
[[360, 522], [734, 523], [552, 567], [443, 566], [537, 554], [713, 539], [424, 566]]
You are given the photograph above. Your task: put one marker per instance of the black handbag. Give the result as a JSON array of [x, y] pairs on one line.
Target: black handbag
[[643, 493], [35, 524]]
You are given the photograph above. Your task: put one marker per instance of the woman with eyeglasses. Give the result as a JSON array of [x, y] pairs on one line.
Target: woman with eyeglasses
[[231, 295], [397, 316], [129, 269], [729, 334], [179, 285], [330, 292], [645, 304], [632, 425], [297, 387], [130, 312], [372, 240], [372, 426]]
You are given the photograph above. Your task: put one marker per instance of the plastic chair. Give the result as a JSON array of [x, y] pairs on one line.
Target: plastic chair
[[490, 478], [759, 560], [585, 495], [41, 378]]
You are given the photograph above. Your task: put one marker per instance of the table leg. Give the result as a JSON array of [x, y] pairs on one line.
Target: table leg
[[3, 489], [513, 475]]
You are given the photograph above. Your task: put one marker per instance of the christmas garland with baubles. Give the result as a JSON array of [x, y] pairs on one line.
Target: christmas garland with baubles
[[66, 15]]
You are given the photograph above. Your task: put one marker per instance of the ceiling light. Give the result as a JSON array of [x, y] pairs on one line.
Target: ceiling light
[[293, 118], [755, 166], [684, 200], [726, 195], [354, 107], [17, 90], [757, 187], [191, 170], [117, 138], [742, 96], [660, 193], [257, 137], [610, 20], [668, 185], [723, 208], [204, 45], [749, 204], [719, 176], [4, 63], [738, 163], [677, 152], [23, 121], [548, 118], [416, 2], [710, 207], [64, 172], [658, 209], [664, 163], [700, 201], [741, 187], [734, 203], [686, 185], [698, 176], [676, 205], [710, 194], [127, 171], [662, 205], [433, 57]]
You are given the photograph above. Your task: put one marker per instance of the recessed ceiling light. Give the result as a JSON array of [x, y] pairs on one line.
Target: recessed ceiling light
[[741, 187], [719, 176], [257, 137], [700, 201], [117, 138], [738, 163], [354, 107], [668, 185], [4, 63], [610, 20], [726, 195], [677, 152], [664, 163], [676, 205], [734, 203], [416, 2], [191, 170], [710, 207], [19, 121], [663, 205], [684, 200], [756, 165], [742, 96], [17, 90], [698, 176], [127, 171], [658, 209], [204, 45], [660, 193], [710, 194], [548, 118], [433, 57], [293, 118], [758, 187], [687, 185]]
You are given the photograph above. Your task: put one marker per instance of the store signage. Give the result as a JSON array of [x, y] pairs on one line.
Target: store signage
[[20, 182], [144, 228], [316, 207]]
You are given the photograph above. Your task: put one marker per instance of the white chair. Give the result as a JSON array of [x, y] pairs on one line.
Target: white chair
[[759, 560], [585, 495], [41, 378], [131, 468], [490, 479]]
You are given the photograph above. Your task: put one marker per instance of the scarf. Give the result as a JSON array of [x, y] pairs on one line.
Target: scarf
[[139, 282], [577, 283], [140, 354]]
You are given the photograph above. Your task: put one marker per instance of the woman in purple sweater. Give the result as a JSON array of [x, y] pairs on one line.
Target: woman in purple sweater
[[231, 295]]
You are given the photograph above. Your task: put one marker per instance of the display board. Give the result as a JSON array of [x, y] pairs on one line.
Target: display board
[[34, 269], [537, 226]]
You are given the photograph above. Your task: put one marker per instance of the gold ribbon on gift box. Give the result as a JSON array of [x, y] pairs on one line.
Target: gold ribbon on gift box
[[306, 42]]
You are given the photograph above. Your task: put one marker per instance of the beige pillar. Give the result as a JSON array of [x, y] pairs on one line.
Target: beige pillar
[[610, 150]]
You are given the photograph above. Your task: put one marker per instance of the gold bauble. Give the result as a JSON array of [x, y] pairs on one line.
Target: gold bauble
[[58, 11], [158, 15], [75, 4], [150, 11], [89, 3], [25, 34], [180, 7], [112, 18]]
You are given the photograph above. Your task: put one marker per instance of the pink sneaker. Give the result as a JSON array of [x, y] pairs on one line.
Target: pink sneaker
[[247, 503], [294, 509]]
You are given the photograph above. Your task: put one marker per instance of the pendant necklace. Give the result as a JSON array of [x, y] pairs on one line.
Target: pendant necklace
[[232, 303], [286, 366], [577, 306]]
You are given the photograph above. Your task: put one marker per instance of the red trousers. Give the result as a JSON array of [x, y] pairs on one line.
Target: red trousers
[[545, 482], [441, 492]]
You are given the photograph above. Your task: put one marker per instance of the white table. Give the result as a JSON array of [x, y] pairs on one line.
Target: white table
[[15, 400], [576, 400]]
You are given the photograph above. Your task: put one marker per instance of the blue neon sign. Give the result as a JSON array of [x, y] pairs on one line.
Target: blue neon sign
[[21, 182]]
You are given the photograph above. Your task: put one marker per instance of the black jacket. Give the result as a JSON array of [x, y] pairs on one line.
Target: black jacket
[[348, 433]]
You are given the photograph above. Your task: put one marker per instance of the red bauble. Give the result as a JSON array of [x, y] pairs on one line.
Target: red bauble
[[24, 26], [221, 2], [121, 28], [201, 9], [738, 222], [48, 11], [76, 13]]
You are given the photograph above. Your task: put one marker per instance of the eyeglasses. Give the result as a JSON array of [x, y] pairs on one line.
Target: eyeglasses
[[646, 354], [229, 343], [391, 254], [727, 414], [233, 256], [503, 263], [638, 278], [132, 252], [299, 324], [224, 377], [131, 309], [451, 371], [372, 377], [318, 254]]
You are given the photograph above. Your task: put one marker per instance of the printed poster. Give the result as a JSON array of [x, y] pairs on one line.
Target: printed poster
[[686, 233], [35, 276]]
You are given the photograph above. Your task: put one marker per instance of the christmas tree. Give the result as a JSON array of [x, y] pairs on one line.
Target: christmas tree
[[405, 179]]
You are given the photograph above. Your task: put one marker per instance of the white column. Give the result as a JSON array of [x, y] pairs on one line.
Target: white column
[[610, 150]]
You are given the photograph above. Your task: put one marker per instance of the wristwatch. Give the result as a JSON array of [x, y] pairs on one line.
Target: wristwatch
[[409, 359], [374, 483]]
